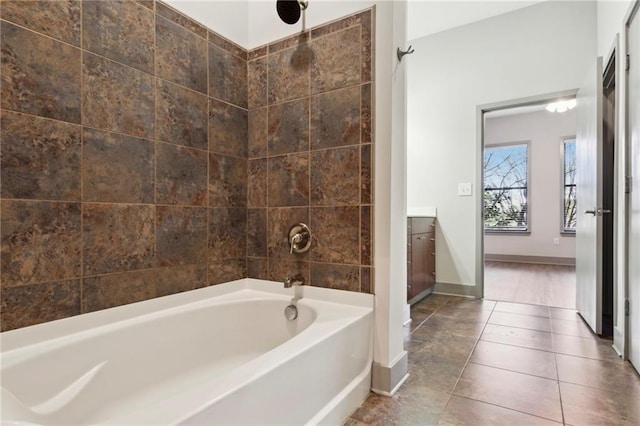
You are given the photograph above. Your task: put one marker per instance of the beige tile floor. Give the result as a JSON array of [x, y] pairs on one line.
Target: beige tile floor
[[480, 362]]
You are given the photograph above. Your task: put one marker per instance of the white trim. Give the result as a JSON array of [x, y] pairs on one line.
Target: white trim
[[394, 390], [387, 379], [634, 9], [480, 111]]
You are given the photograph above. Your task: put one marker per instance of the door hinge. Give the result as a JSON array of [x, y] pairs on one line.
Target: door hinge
[[627, 62], [627, 184], [626, 307]]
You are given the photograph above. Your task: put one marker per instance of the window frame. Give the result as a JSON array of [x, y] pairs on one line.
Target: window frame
[[565, 231], [506, 231]]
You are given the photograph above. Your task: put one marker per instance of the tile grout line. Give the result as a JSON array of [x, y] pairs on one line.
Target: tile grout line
[[451, 392], [555, 359], [508, 408], [207, 58], [429, 316], [360, 180], [266, 133], [496, 405], [464, 368], [308, 98], [82, 204], [512, 371], [155, 148], [114, 132]]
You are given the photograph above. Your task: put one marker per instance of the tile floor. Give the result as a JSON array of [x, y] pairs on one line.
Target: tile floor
[[479, 362]]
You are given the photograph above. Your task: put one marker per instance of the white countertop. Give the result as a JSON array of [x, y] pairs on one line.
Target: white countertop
[[422, 212]]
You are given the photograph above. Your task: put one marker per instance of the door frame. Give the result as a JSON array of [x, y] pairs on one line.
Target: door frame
[[479, 178], [611, 71], [632, 12], [616, 56]]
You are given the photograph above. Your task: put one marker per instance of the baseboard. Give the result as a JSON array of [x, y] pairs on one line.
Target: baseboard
[[455, 289], [618, 341], [420, 296], [406, 315], [387, 379], [543, 260]]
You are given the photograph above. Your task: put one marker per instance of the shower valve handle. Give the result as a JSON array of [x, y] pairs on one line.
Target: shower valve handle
[[299, 238], [295, 240]]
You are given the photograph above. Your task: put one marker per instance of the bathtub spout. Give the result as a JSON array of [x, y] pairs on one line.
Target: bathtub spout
[[293, 281]]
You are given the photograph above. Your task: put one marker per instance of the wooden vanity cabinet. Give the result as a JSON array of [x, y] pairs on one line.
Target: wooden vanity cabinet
[[421, 257]]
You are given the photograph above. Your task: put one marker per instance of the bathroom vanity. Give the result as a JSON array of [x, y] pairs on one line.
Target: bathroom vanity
[[421, 255]]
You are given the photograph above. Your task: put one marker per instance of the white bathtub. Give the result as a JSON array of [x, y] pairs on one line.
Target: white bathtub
[[219, 355]]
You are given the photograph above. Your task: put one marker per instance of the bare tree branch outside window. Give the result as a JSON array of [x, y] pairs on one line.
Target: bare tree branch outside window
[[505, 188], [569, 205]]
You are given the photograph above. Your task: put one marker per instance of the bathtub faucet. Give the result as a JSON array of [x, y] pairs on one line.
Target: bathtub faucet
[[293, 281]]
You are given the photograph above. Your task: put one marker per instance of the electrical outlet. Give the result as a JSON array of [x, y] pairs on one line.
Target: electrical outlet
[[556, 241], [464, 189]]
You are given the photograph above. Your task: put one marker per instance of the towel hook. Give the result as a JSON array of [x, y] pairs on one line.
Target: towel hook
[[401, 53]]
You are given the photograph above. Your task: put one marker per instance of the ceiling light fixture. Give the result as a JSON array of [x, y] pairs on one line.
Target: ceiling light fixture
[[561, 106]]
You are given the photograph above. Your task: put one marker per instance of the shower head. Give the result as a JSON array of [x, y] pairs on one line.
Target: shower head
[[289, 10]]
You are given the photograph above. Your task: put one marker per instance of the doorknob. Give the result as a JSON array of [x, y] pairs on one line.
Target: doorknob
[[597, 212]]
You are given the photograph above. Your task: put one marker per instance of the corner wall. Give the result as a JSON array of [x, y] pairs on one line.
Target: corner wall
[[125, 142], [536, 50], [311, 153]]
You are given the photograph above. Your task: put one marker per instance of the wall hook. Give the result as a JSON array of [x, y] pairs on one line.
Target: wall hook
[[401, 53]]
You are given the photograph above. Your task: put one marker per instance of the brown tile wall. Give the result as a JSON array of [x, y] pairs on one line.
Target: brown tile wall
[[144, 155], [124, 156], [310, 155]]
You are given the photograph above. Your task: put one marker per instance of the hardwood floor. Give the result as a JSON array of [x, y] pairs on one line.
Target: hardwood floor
[[549, 285]]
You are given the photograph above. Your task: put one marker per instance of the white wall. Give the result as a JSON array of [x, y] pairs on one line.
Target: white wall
[[253, 23], [544, 131], [429, 17], [228, 18], [610, 16], [265, 26], [540, 49]]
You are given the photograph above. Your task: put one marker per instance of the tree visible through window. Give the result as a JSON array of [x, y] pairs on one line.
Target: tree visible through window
[[505, 188], [569, 189]]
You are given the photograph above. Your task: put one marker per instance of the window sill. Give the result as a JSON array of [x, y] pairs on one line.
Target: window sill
[[499, 232], [568, 233]]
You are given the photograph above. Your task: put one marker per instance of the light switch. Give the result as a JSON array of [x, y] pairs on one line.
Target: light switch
[[464, 189]]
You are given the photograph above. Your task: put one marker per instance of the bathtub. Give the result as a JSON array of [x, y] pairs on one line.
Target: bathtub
[[224, 355]]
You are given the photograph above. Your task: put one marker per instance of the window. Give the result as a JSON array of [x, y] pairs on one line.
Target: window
[[505, 188], [569, 211]]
